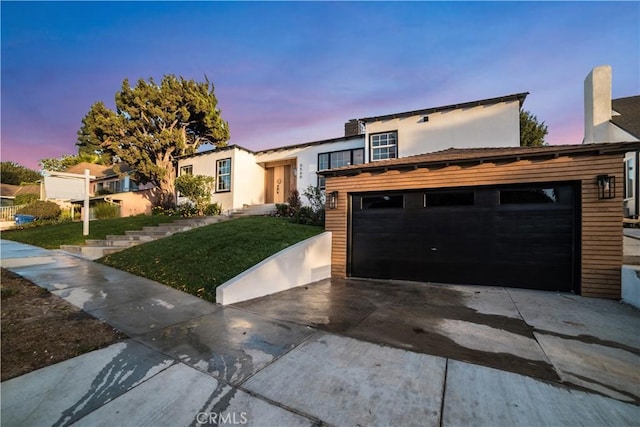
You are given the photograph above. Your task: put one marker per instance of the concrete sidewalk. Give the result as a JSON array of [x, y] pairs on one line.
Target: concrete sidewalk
[[189, 362]]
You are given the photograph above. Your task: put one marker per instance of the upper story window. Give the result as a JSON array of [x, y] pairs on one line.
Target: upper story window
[[384, 146], [223, 175], [338, 159], [186, 170], [115, 186]]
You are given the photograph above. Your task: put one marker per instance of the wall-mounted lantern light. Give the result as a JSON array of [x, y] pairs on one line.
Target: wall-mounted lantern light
[[332, 201], [606, 187]]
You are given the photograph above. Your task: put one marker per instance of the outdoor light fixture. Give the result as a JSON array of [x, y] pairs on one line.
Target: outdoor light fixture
[[606, 187], [333, 200]]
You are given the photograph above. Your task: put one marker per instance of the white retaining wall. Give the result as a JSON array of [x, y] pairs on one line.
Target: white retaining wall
[[631, 284], [300, 264]]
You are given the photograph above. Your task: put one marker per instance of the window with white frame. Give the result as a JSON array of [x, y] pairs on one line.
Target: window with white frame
[[186, 170], [338, 159], [223, 175], [384, 145], [629, 178]]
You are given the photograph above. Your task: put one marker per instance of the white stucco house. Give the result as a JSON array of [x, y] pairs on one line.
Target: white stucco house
[[244, 177], [614, 120]]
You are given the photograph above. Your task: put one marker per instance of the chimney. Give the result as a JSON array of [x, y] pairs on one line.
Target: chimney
[[597, 104], [353, 127]]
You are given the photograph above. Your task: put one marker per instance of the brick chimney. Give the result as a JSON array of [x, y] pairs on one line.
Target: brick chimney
[[353, 127], [597, 105]]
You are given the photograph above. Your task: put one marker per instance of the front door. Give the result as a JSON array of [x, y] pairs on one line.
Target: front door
[[278, 184]]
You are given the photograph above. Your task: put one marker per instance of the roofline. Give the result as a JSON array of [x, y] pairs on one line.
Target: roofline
[[550, 151], [627, 131], [310, 144], [625, 98], [215, 150], [520, 97]]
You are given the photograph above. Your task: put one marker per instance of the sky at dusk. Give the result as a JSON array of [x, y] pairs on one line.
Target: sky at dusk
[[294, 72]]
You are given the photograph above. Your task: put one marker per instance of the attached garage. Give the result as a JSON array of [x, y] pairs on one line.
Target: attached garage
[[532, 218], [523, 236]]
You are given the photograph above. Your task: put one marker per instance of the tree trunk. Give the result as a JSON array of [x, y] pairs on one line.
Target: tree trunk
[[167, 186]]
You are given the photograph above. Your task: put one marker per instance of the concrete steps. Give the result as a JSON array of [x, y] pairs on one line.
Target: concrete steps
[[254, 210], [94, 249]]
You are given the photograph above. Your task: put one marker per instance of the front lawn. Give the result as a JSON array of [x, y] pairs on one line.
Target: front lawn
[[70, 233], [200, 260]]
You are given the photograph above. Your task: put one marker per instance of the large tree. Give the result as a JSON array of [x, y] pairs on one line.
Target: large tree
[[532, 132], [16, 174], [152, 125]]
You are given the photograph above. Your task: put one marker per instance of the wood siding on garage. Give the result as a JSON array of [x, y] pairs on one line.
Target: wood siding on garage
[[600, 222]]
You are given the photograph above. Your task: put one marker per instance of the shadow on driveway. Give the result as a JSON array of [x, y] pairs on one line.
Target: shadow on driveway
[[584, 343]]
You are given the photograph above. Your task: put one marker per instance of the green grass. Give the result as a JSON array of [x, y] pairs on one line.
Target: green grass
[[200, 260], [70, 233]]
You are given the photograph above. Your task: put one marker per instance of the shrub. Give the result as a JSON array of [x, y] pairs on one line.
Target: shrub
[[41, 210], [66, 215], [159, 210], [283, 210], [104, 210], [213, 209], [186, 210], [315, 214], [294, 201], [196, 188], [305, 215], [25, 199]]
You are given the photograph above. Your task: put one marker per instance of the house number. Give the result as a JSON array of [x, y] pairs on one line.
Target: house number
[[278, 186]]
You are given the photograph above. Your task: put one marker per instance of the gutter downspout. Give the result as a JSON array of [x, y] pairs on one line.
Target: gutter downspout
[[636, 195]]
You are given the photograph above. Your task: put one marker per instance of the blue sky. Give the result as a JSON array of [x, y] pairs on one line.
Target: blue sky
[[292, 72]]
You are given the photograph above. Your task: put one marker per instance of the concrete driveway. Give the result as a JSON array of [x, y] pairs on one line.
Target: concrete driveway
[[582, 343]]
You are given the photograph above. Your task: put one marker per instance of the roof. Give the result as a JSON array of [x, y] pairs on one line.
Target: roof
[[271, 150], [481, 155], [215, 150], [312, 143], [520, 97], [8, 190], [99, 171], [629, 118]]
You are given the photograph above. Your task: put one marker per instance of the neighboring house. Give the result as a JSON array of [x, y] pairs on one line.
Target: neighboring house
[[116, 187], [245, 177], [614, 120], [9, 192]]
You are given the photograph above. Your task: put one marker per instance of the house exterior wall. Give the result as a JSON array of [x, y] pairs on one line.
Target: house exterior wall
[[205, 164], [601, 220], [247, 182], [308, 161], [135, 202], [496, 125]]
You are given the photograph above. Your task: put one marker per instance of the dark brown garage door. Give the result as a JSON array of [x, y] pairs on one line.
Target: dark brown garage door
[[516, 236]]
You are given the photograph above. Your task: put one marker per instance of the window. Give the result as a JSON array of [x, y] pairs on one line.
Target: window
[[384, 146], [338, 159], [529, 196], [437, 199], [388, 201], [223, 175], [186, 170], [629, 176]]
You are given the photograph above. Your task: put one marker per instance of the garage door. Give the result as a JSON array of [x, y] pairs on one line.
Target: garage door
[[516, 236]]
